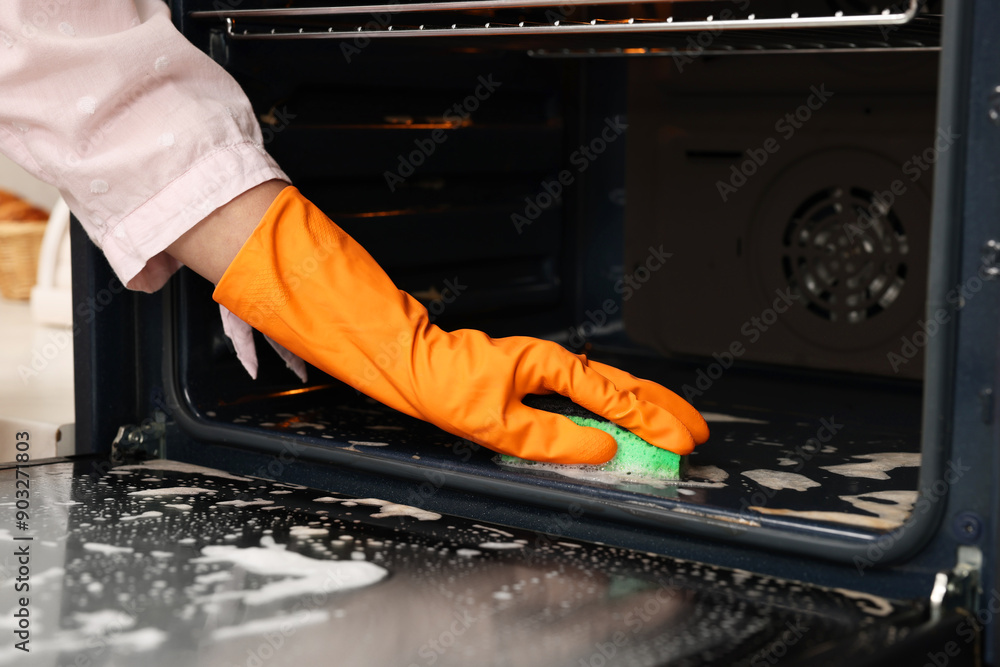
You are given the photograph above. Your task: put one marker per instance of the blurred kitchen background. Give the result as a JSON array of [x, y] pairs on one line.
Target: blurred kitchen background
[[36, 338]]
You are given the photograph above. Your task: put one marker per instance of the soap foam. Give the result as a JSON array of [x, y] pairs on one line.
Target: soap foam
[[145, 515], [107, 549], [305, 575], [712, 475], [877, 465], [245, 503], [388, 509], [501, 545], [779, 480], [172, 491], [176, 466]]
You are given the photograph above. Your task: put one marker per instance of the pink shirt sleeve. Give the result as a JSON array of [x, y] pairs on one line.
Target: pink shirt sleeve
[[143, 133]]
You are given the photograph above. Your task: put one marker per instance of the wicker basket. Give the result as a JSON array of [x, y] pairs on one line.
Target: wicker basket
[[20, 243]]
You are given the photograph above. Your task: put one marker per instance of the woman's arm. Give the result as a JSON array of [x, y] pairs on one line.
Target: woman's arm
[[144, 135], [211, 245]]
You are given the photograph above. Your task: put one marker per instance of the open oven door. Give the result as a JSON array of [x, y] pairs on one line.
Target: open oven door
[[211, 520]]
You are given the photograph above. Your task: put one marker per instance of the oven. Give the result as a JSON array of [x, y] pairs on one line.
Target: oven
[[784, 211]]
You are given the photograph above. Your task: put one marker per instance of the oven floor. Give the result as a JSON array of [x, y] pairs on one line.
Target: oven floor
[[837, 459], [170, 564]]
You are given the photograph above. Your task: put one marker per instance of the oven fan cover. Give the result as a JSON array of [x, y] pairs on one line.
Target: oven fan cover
[[844, 233]]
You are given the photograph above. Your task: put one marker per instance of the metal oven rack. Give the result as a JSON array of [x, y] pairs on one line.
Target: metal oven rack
[[665, 26]]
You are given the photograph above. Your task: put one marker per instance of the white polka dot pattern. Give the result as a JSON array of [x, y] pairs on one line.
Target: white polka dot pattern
[[108, 93], [86, 105]]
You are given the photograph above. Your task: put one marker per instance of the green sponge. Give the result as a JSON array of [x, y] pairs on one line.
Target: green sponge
[[635, 456]]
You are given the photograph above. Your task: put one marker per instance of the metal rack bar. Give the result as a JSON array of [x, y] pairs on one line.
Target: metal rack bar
[[466, 28], [398, 7], [664, 53], [921, 35], [472, 5]]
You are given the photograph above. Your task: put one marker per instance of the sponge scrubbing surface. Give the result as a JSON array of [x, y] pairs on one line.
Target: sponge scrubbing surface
[[635, 456]]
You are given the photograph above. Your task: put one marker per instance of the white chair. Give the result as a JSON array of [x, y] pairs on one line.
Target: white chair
[[52, 295]]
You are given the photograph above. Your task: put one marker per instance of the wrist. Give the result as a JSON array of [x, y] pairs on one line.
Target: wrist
[[209, 247]]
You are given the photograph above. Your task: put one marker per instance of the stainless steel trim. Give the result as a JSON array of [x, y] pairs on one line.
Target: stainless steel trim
[[838, 20], [490, 29], [400, 7]]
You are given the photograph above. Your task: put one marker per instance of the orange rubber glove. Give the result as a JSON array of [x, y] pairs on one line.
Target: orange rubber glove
[[304, 282]]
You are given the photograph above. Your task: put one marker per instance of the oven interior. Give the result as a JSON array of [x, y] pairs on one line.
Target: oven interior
[[743, 216]]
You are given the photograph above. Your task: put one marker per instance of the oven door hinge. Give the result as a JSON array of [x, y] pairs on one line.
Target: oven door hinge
[[145, 441], [961, 587]]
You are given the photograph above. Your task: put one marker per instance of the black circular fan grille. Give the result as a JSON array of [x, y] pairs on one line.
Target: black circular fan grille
[[845, 254]]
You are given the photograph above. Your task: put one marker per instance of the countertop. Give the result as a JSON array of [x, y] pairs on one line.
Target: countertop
[[36, 383]]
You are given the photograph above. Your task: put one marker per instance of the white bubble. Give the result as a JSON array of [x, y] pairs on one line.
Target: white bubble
[[161, 63], [166, 139], [86, 104], [67, 29], [98, 186]]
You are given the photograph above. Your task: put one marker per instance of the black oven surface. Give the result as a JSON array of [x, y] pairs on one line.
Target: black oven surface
[[811, 474], [800, 459], [801, 462], [831, 461], [164, 563]]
